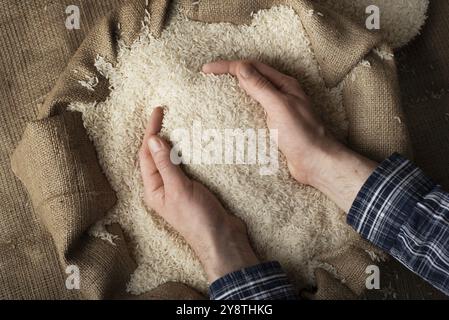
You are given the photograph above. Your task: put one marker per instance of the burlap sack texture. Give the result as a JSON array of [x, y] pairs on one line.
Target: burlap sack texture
[[67, 187], [57, 164]]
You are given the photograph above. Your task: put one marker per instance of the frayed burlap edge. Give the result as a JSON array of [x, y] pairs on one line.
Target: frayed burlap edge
[[69, 191]]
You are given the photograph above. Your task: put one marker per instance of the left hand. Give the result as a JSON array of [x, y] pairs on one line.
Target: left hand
[[218, 238]]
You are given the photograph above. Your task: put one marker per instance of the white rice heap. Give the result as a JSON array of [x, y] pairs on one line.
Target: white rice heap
[[400, 20], [287, 222]]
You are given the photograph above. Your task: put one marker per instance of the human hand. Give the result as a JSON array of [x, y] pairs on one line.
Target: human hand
[[218, 239], [313, 156], [302, 137]]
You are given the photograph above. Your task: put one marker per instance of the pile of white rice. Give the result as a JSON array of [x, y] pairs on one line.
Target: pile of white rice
[[287, 222]]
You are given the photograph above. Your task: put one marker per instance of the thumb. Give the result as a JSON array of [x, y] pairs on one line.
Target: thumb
[[258, 86], [171, 174]]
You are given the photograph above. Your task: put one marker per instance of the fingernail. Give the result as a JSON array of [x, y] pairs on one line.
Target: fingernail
[[154, 144], [205, 68], [247, 71]]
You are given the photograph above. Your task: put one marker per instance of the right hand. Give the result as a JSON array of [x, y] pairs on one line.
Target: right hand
[[303, 139]]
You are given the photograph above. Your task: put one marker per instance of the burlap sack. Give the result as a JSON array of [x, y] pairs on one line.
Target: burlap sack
[[65, 183], [57, 164], [34, 44]]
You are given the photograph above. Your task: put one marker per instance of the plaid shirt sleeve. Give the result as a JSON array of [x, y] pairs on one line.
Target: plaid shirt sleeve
[[265, 281], [403, 212]]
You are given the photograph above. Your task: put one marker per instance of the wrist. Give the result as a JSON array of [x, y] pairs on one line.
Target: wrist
[[326, 161], [341, 174], [223, 261], [227, 251]]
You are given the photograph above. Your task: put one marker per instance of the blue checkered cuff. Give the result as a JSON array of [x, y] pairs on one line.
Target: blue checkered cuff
[[266, 281], [387, 201]]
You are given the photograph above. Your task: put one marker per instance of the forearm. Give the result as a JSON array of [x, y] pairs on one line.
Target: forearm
[[395, 207], [403, 212]]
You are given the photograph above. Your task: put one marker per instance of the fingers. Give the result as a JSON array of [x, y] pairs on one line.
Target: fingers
[[152, 180], [250, 79], [160, 176], [172, 176], [280, 81], [155, 123]]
